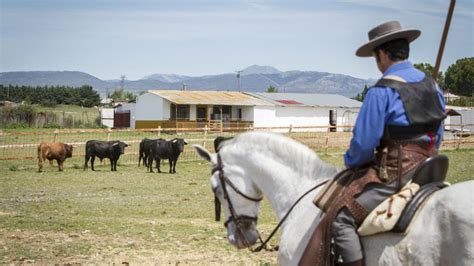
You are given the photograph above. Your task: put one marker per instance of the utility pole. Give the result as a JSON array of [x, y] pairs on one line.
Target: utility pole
[[122, 81], [238, 78]]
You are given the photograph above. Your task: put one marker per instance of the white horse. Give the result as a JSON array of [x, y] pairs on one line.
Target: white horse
[[281, 169]]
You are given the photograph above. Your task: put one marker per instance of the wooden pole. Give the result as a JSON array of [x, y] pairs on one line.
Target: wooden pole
[[443, 39]]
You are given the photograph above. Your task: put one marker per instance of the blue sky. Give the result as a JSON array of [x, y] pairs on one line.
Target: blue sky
[[136, 38]]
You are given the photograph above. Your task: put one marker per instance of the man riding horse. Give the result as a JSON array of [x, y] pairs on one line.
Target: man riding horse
[[398, 127]]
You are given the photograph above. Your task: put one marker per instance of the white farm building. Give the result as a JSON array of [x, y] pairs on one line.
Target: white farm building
[[305, 109], [197, 109]]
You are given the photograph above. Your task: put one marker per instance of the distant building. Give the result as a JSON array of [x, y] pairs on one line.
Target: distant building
[[458, 117], [222, 109], [191, 109], [449, 96], [305, 109]]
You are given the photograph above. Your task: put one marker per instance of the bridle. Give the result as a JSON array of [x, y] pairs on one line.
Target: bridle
[[239, 220]]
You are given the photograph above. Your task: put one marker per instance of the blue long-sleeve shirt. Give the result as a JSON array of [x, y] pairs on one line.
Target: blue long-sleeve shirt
[[383, 107]]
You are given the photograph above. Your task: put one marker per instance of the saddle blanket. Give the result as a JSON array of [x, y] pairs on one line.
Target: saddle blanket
[[385, 216]]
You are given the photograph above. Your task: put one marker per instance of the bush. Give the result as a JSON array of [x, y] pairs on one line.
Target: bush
[[13, 168], [51, 125], [18, 125], [22, 114]]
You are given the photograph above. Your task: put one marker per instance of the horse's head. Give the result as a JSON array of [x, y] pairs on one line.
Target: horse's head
[[237, 193]]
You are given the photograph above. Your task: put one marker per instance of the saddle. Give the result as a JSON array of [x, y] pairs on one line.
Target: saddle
[[428, 175]]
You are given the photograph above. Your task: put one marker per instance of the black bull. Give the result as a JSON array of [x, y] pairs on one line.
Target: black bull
[[165, 149], [144, 150], [104, 149]]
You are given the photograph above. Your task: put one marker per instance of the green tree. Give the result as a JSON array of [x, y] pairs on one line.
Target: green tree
[[428, 69], [360, 96], [460, 77], [271, 89], [121, 95], [462, 101]]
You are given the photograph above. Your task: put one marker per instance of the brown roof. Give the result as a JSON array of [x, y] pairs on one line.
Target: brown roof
[[209, 97], [451, 112]]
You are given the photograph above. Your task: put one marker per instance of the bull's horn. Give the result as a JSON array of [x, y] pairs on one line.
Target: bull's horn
[[185, 142]]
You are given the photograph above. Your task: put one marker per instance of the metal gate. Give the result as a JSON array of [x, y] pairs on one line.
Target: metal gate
[[122, 119]]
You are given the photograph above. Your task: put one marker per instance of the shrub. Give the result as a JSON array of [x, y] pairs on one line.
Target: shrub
[[18, 125], [51, 125], [13, 168]]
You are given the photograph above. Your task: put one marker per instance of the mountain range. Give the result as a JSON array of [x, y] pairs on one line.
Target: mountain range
[[253, 79]]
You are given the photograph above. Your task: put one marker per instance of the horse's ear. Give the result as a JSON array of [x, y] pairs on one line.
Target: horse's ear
[[218, 141], [203, 152]]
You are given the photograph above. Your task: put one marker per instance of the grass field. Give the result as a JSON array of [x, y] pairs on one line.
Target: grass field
[[129, 216]]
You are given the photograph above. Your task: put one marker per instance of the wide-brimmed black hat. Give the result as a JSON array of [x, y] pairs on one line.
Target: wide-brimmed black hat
[[385, 32]]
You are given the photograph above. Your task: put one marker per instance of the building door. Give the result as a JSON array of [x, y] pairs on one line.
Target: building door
[[122, 119], [201, 115], [333, 120]]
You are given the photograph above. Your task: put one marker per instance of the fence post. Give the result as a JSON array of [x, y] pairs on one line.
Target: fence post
[[461, 133], [159, 131], [205, 136], [56, 132], [289, 130], [326, 146], [221, 124], [108, 134]]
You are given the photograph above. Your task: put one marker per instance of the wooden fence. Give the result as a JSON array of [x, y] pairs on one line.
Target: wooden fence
[[20, 148]]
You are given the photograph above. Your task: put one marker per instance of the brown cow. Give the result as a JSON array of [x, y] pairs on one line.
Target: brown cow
[[53, 151]]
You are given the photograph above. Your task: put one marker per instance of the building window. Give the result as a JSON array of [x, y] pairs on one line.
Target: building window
[[179, 112]]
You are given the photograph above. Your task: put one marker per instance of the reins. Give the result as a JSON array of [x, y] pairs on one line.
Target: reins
[[264, 243], [237, 219]]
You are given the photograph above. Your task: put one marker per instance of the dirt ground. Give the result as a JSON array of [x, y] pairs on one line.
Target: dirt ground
[[52, 245]]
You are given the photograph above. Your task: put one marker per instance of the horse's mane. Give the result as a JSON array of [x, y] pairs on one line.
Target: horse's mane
[[303, 158]]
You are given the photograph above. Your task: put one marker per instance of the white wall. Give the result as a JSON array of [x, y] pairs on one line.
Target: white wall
[[278, 116], [166, 109], [264, 116], [150, 107], [248, 113], [107, 117]]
